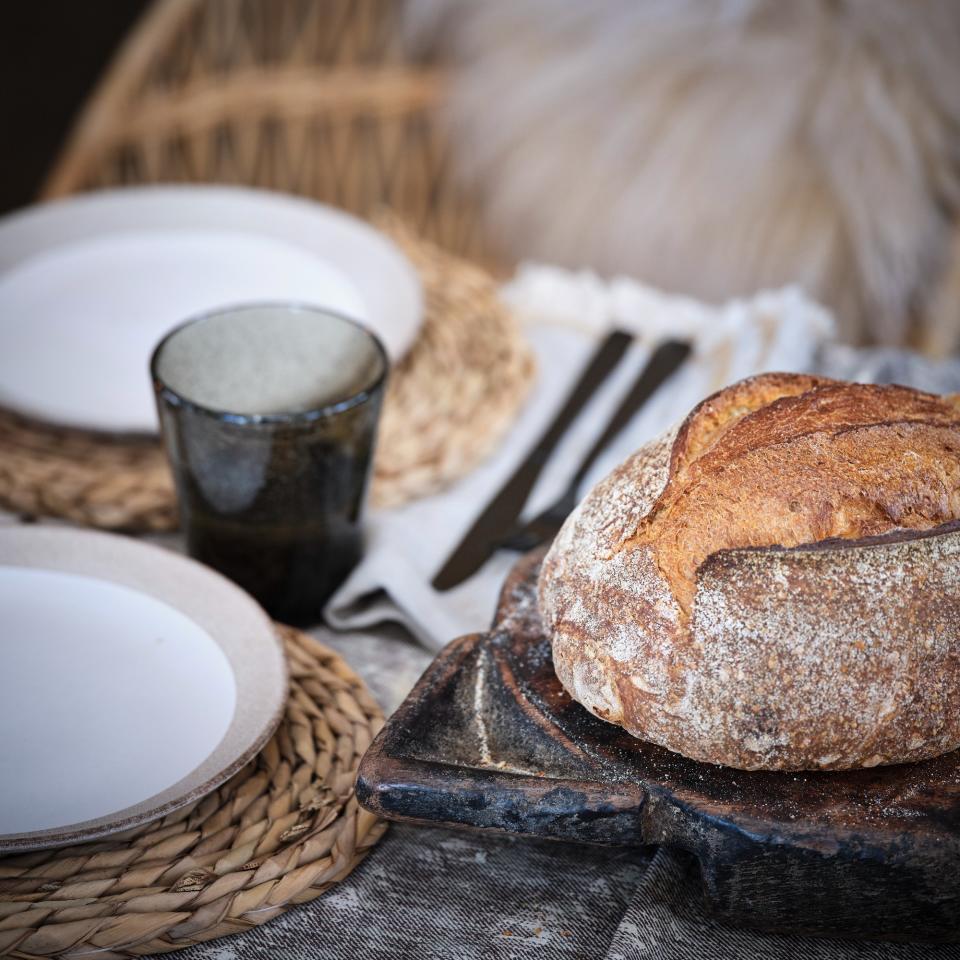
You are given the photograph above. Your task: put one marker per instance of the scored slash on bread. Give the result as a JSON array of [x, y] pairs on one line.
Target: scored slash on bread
[[774, 585]]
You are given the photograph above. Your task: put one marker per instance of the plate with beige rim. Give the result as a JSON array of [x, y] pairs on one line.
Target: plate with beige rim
[[90, 284], [132, 682]]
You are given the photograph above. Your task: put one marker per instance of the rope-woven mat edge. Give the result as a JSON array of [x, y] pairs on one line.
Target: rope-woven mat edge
[[448, 404], [280, 833]]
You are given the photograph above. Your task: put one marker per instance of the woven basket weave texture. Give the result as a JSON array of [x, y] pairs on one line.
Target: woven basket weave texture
[[312, 97], [448, 403]]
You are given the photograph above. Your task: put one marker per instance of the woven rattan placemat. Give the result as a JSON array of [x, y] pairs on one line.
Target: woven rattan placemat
[[448, 403], [279, 833]]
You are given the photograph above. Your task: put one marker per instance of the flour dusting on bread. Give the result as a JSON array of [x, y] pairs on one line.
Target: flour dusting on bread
[[776, 584]]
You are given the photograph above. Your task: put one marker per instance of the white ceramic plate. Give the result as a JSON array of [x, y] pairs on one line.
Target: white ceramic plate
[[89, 285], [132, 681]]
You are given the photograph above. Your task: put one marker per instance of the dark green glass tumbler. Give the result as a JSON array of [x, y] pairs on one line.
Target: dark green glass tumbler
[[269, 416]]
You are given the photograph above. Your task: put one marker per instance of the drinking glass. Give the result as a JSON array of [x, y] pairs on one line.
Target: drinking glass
[[269, 415]]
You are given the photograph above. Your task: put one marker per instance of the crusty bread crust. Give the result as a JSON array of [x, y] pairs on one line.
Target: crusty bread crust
[[774, 585]]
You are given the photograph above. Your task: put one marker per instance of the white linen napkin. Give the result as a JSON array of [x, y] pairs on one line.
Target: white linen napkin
[[564, 314]]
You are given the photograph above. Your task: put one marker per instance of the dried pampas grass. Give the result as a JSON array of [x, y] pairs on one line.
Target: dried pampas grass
[[715, 147]]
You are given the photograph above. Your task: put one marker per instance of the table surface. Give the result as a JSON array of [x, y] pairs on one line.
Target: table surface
[[427, 892]]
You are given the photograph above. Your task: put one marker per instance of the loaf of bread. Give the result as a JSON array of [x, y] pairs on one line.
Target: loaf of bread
[[776, 583]]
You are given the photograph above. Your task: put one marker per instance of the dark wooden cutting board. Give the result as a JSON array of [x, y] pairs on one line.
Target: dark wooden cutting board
[[489, 739]]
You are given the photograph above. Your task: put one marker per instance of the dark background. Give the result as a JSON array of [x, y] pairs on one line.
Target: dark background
[[52, 53]]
